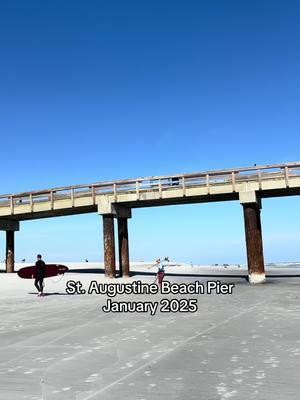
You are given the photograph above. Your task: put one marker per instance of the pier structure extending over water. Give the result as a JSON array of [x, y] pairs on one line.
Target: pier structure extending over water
[[116, 199]]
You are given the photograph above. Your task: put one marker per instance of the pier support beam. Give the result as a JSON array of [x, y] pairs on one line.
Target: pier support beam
[[109, 211], [10, 227], [254, 244], [10, 251], [123, 247], [109, 246]]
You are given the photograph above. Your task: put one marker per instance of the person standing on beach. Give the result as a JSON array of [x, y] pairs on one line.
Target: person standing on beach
[[40, 270], [160, 270]]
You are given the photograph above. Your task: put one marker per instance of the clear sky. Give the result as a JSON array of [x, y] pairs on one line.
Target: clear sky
[[97, 90]]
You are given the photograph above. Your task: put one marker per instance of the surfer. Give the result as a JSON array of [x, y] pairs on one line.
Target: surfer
[[40, 268]]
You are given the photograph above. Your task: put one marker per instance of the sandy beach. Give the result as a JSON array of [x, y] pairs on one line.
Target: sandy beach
[[64, 346]]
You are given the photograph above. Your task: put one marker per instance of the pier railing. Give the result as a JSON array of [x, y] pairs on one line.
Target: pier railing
[[259, 174]]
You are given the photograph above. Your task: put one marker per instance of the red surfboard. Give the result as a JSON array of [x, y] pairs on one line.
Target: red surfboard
[[50, 270]]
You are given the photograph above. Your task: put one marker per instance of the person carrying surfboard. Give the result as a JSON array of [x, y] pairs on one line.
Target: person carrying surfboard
[[40, 270]]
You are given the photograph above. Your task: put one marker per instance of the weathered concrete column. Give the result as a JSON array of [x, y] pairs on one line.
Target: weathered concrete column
[[254, 244], [109, 211], [10, 226], [123, 247], [109, 245], [10, 251]]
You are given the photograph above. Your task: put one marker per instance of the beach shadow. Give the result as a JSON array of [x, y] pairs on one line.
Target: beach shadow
[[153, 273], [100, 271], [50, 294], [282, 275], [244, 276], [87, 271], [177, 274]]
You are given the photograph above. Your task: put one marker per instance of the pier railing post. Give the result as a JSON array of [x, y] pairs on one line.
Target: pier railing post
[[251, 207]]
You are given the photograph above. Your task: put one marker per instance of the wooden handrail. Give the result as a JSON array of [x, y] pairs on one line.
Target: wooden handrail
[[203, 174]]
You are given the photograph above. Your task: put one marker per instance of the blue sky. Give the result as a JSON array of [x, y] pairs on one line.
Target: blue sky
[[99, 90]]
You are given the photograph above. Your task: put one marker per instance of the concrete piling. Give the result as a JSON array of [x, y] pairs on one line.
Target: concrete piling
[[254, 244], [10, 227], [10, 251], [109, 246], [123, 247]]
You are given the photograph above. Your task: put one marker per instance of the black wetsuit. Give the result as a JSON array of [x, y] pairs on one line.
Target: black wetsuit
[[39, 275]]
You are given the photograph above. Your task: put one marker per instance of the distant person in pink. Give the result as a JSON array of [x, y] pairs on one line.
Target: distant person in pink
[[160, 270]]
